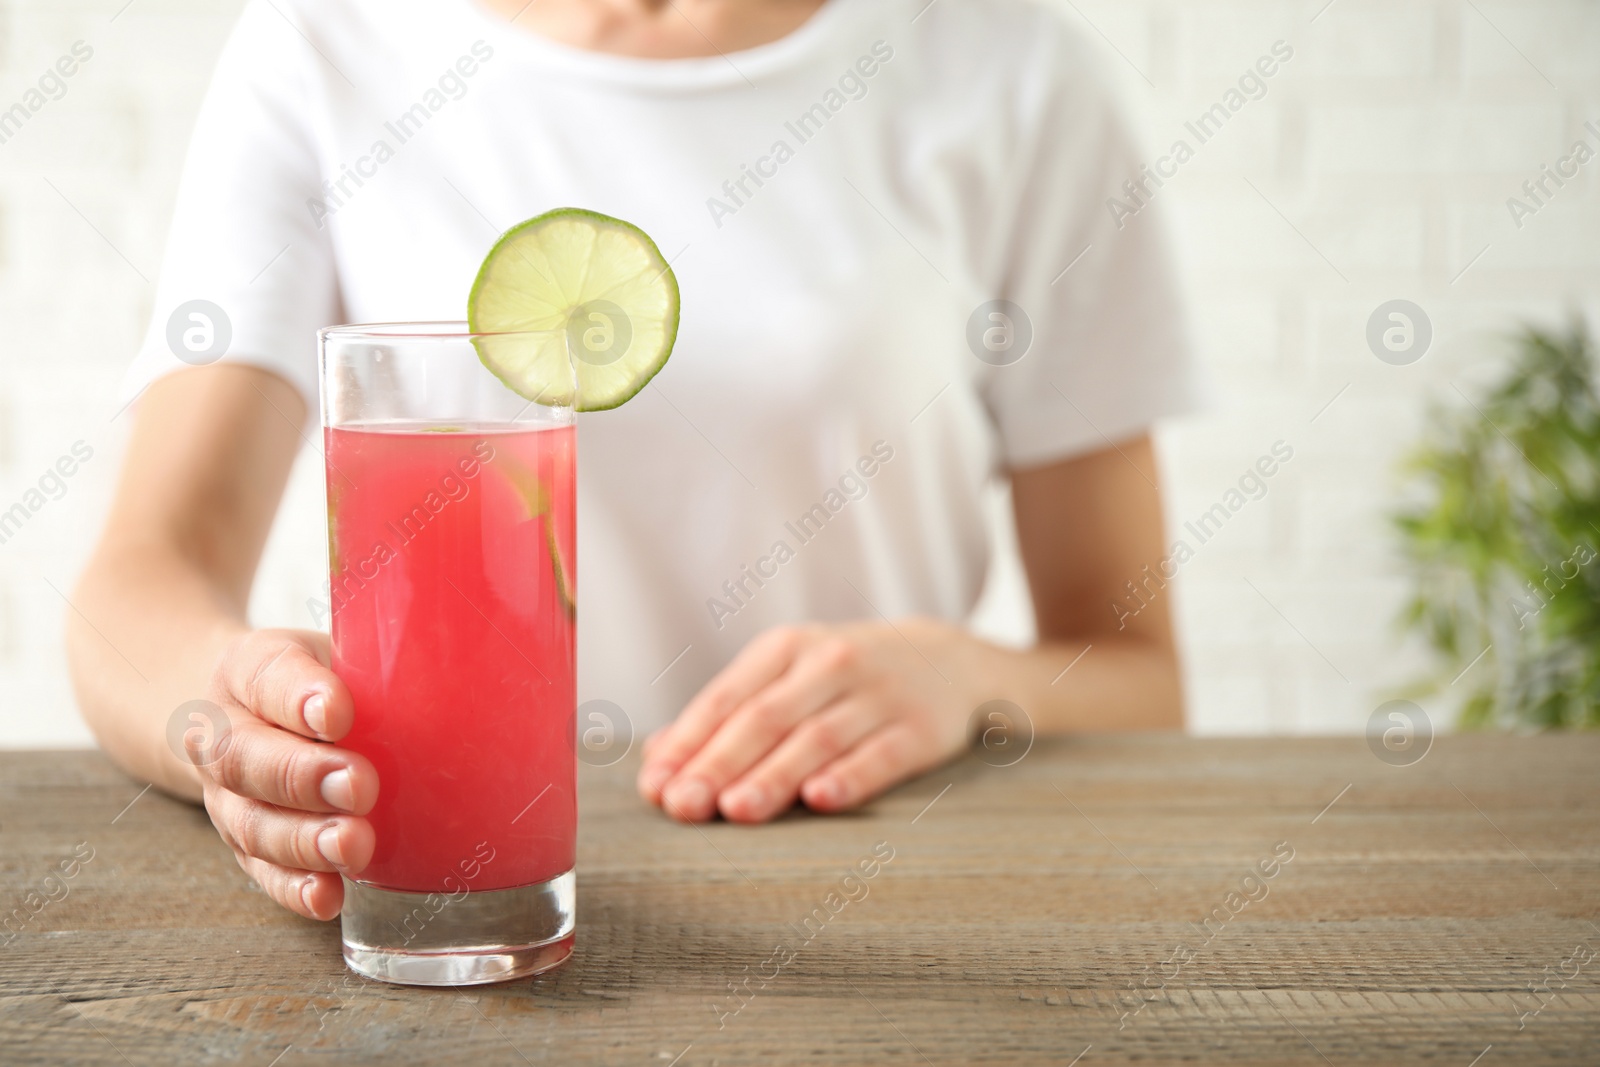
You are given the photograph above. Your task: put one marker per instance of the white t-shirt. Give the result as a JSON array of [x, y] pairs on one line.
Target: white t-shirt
[[837, 206]]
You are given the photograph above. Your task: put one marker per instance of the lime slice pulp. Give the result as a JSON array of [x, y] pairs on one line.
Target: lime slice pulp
[[597, 287]]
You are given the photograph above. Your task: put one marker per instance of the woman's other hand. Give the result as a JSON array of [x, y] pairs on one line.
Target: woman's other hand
[[830, 714]]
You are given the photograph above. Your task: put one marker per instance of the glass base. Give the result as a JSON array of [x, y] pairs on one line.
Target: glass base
[[452, 939]]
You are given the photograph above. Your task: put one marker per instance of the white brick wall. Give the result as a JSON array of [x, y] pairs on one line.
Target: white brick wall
[[71, 309], [1390, 141]]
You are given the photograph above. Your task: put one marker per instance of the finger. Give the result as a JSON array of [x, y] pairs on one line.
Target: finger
[[291, 839], [282, 676], [756, 665], [884, 759], [313, 894], [817, 678], [265, 763], [771, 787], [652, 745], [652, 742]]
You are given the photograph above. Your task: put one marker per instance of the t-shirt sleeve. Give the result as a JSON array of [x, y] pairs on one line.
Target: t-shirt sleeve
[[249, 276], [1091, 270]]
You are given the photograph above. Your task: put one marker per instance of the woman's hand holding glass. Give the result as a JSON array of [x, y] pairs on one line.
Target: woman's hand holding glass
[[288, 803]]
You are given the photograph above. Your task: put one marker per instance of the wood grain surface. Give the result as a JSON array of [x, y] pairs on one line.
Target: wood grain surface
[[1092, 904]]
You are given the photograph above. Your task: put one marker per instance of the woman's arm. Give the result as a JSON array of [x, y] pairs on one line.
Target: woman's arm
[[166, 589], [836, 714], [159, 621], [1086, 529]]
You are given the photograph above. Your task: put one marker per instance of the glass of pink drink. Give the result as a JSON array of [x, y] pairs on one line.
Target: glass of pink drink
[[451, 562]]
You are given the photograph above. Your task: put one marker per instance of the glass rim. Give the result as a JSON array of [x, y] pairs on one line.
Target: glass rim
[[431, 330]]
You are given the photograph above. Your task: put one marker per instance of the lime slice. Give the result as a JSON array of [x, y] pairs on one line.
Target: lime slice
[[597, 283], [536, 499], [335, 564]]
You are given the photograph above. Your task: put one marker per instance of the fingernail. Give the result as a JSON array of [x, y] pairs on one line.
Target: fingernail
[[336, 790], [654, 778], [315, 712], [826, 791], [690, 799], [328, 845], [305, 894], [751, 798]]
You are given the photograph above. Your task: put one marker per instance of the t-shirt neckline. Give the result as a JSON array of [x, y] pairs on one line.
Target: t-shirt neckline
[[697, 73]]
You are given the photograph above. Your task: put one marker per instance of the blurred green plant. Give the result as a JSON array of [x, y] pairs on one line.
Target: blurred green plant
[[1502, 540]]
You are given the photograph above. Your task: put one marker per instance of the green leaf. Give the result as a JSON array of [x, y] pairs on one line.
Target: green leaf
[[1500, 538]]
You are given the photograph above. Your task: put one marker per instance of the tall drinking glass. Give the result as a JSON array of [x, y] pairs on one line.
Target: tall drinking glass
[[451, 563]]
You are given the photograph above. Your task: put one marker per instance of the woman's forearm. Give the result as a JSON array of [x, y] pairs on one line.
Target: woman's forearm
[[1067, 687], [168, 585], [144, 634], [1086, 526]]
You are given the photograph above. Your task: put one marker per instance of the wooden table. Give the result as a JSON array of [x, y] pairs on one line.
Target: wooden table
[[1091, 901]]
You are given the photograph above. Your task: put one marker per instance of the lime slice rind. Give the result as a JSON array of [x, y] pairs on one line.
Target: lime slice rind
[[559, 568], [600, 283]]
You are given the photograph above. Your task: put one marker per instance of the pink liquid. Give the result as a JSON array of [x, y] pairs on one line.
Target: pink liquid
[[454, 631]]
